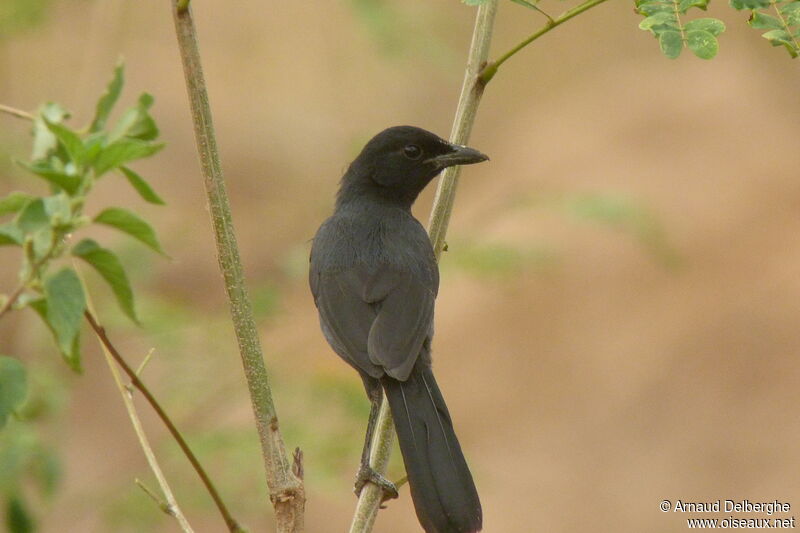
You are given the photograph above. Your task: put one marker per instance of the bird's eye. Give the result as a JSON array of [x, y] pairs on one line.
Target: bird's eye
[[412, 151]]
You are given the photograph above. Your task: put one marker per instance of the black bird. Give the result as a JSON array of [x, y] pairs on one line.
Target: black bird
[[374, 279]]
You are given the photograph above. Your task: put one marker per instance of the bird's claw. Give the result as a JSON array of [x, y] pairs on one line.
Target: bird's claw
[[366, 474]]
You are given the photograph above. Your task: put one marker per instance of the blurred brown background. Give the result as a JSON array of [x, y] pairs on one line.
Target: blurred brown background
[[618, 317]]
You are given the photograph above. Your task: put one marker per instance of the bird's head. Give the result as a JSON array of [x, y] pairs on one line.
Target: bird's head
[[400, 161]]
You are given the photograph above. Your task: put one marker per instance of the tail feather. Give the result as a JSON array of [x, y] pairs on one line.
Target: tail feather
[[441, 485]]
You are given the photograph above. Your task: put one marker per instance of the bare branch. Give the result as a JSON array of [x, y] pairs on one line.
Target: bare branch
[[286, 489], [112, 352]]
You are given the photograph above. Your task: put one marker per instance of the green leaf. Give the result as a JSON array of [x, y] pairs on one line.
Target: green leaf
[[125, 221], [702, 43], [65, 306], [109, 267], [60, 179], [749, 4], [142, 187], [653, 7], [73, 356], [136, 123], [120, 152], [525, 3], [10, 234], [106, 102], [671, 43], [659, 19], [778, 38], [18, 518], [13, 202], [57, 208], [45, 469], [711, 25], [94, 145], [791, 12], [474, 2], [33, 217], [13, 387], [763, 21], [69, 140], [44, 141], [686, 5]]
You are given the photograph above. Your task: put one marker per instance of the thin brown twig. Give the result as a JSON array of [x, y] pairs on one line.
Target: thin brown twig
[[231, 522], [16, 112], [11, 300]]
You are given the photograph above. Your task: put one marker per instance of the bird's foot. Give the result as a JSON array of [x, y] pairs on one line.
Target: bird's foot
[[367, 474]]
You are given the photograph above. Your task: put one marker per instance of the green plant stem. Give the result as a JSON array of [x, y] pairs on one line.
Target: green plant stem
[[471, 91], [100, 332], [491, 68], [286, 487], [33, 274]]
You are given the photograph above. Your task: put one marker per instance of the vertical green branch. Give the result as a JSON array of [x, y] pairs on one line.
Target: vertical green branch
[[286, 488]]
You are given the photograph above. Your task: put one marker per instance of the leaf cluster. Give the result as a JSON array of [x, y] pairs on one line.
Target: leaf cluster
[[71, 161], [663, 20], [783, 25]]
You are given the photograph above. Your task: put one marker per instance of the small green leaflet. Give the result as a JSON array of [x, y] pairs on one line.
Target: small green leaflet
[[18, 518], [136, 123], [33, 217], [763, 21], [749, 4], [108, 266], [13, 202], [127, 222], [142, 187], [122, 151], [671, 43], [60, 179], [69, 140], [106, 102], [44, 142], [65, 306], [702, 43], [73, 355], [13, 387], [10, 234]]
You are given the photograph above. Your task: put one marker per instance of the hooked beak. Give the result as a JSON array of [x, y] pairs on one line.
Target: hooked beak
[[460, 155]]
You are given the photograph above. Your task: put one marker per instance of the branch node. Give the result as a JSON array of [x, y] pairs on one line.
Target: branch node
[[283, 496], [297, 463], [162, 504], [144, 362]]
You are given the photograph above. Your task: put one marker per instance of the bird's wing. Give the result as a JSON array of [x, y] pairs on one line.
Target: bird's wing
[[345, 316], [403, 323], [377, 320]]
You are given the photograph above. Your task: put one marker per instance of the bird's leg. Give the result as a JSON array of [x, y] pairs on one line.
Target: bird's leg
[[365, 472]]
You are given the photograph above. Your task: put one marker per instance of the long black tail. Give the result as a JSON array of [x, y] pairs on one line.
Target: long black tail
[[442, 489]]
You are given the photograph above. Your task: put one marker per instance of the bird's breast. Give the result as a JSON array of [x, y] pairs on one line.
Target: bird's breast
[[365, 240]]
